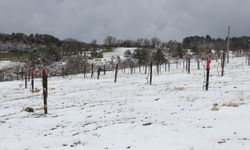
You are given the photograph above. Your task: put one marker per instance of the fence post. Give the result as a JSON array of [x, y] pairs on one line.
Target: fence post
[[223, 63], [32, 79], [98, 72], [248, 59], [198, 64], [151, 70], [84, 70], [25, 80], [104, 69], [208, 69], [22, 73], [188, 64], [92, 70], [116, 71], [169, 65], [45, 91]]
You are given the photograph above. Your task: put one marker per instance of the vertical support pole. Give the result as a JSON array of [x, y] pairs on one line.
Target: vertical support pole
[[104, 69], [146, 68], [207, 79], [22, 73], [45, 90], [188, 64], [157, 68], [98, 73], [32, 79], [186, 61], [207, 76], [63, 72], [151, 70], [198, 64], [223, 63], [17, 74], [29, 71], [116, 71], [169, 65], [131, 69], [25, 80], [228, 43], [248, 59], [92, 70], [165, 65], [84, 70]]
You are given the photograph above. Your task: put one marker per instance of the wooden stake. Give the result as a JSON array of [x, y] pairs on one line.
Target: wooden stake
[[104, 70], [207, 79], [151, 70], [188, 64], [116, 71], [168, 65], [92, 70], [32, 79], [45, 91], [248, 59], [208, 69], [84, 70], [26, 80], [98, 72], [223, 63]]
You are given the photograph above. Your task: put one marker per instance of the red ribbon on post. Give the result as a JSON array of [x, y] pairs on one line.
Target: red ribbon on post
[[46, 71], [208, 63], [33, 71]]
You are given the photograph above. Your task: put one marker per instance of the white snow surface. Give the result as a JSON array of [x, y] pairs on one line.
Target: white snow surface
[[117, 52], [7, 63], [174, 113]]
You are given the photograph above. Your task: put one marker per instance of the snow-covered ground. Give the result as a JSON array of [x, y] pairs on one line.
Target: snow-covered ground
[[117, 52], [174, 113], [7, 64]]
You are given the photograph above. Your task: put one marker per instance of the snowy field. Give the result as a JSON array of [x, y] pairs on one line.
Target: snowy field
[[117, 52], [6, 64], [174, 113]]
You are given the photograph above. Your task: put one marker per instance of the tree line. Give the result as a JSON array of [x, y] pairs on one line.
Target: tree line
[[53, 49]]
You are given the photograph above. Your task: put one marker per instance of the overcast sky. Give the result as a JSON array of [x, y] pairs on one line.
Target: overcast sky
[[86, 20]]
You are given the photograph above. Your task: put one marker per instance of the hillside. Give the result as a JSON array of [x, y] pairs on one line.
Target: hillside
[[173, 113]]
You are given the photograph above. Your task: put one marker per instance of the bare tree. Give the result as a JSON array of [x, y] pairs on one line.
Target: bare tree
[[155, 42], [109, 41], [146, 43]]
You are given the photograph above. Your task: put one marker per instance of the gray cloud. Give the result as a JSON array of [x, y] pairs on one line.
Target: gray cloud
[[86, 20]]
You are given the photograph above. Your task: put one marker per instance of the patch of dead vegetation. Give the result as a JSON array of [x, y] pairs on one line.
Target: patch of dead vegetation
[[230, 104], [28, 109], [179, 88]]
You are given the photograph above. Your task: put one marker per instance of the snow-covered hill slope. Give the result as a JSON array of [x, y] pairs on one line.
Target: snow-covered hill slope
[[117, 52], [173, 113]]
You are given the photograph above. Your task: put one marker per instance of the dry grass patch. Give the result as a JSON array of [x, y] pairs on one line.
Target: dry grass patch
[[36, 90], [231, 104], [28, 109], [215, 108], [179, 88]]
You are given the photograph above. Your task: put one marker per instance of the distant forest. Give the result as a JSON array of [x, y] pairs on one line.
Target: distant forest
[[17, 42]]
